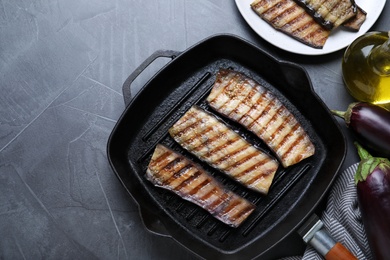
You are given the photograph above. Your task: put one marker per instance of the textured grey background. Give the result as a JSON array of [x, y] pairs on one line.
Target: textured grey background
[[62, 66]]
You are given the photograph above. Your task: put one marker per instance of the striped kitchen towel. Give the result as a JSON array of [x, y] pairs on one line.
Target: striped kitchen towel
[[342, 219]]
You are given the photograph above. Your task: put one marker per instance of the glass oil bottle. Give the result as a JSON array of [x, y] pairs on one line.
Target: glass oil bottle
[[366, 68]]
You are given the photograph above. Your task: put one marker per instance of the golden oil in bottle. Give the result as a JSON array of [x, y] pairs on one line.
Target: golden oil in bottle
[[366, 68]]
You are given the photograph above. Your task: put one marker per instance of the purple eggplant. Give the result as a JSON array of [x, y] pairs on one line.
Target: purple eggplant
[[372, 180], [371, 126]]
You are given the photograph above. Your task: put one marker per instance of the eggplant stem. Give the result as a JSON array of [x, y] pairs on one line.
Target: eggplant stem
[[339, 113], [369, 163], [363, 154]]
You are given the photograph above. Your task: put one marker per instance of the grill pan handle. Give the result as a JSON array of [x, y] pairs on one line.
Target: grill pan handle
[[152, 222], [126, 88]]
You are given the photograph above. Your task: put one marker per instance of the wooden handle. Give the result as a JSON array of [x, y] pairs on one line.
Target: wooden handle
[[339, 252]]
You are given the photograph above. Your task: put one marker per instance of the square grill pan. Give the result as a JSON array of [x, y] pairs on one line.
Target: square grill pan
[[270, 231]]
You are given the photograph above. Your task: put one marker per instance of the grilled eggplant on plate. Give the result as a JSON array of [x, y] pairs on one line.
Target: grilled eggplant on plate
[[174, 172], [290, 18], [245, 101], [214, 142], [330, 13]]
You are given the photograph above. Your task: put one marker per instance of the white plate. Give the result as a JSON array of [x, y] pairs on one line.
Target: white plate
[[338, 39]]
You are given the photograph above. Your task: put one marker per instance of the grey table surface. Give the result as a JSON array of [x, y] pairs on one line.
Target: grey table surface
[[62, 66]]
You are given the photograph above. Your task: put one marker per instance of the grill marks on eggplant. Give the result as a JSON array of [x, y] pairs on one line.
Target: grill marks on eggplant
[[287, 16], [329, 13], [243, 100], [174, 172], [214, 142]]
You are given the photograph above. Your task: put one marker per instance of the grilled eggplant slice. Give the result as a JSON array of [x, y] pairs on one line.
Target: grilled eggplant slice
[[329, 13], [214, 142], [172, 171], [356, 22], [245, 101], [290, 18]]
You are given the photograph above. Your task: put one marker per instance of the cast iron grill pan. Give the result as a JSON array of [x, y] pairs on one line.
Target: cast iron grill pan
[[187, 81]]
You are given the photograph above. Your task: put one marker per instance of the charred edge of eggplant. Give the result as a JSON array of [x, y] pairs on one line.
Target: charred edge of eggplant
[[355, 6]]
